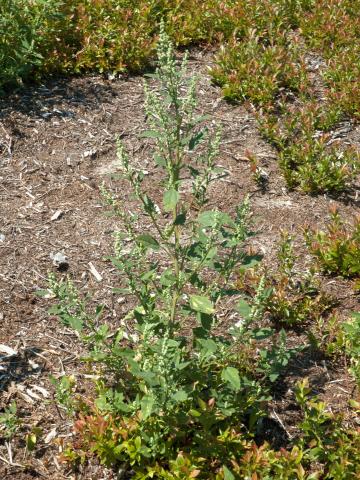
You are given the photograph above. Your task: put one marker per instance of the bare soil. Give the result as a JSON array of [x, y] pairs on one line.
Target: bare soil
[[57, 145]]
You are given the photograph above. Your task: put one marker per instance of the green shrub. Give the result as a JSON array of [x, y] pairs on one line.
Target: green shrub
[[19, 23], [351, 338], [337, 249], [258, 72], [295, 298], [306, 158]]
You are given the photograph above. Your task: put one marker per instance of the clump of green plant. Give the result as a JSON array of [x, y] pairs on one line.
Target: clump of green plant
[[294, 298], [333, 29], [19, 49], [351, 339], [338, 248], [331, 450], [306, 157], [342, 78], [254, 70], [9, 421], [327, 336], [168, 400]]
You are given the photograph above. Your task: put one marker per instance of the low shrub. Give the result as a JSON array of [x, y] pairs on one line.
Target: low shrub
[[337, 249], [20, 43], [295, 298], [306, 157], [252, 70]]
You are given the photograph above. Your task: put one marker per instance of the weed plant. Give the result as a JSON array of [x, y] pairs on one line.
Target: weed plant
[[351, 339], [176, 398], [9, 421]]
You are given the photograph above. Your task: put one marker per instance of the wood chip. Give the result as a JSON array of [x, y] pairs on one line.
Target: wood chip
[[50, 436], [7, 350], [56, 215], [96, 274]]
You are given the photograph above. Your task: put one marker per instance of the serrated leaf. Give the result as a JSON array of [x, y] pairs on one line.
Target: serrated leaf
[[148, 241], [170, 199], [231, 376], [201, 304]]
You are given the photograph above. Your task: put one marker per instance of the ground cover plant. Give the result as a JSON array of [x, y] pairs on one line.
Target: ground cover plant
[[338, 249], [307, 158], [295, 298]]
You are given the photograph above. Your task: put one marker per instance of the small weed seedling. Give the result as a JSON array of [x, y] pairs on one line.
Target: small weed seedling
[[9, 421]]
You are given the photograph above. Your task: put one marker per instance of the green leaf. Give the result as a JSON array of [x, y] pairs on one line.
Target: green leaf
[[180, 396], [159, 160], [201, 304], [148, 241], [194, 413], [208, 345], [273, 377], [262, 333], [227, 474], [31, 441], [170, 199], [249, 261], [180, 219], [151, 134], [74, 322], [243, 308], [196, 139], [210, 218], [231, 376], [146, 404]]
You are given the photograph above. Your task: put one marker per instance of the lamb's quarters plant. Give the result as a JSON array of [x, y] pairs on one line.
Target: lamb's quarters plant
[[295, 297], [337, 249], [163, 396]]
